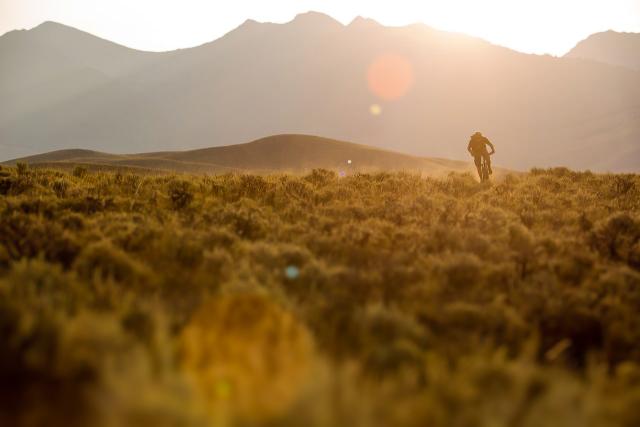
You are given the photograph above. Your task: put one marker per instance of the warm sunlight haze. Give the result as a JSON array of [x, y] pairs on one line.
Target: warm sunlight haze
[[319, 213], [533, 26]]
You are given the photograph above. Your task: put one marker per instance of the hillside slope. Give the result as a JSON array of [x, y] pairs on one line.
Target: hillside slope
[[610, 47], [52, 63], [295, 153], [311, 76]]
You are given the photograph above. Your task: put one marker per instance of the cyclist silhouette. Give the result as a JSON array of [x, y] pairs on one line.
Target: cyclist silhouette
[[478, 149]]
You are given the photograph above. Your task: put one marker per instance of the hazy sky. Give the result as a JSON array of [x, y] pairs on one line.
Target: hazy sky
[[536, 26]]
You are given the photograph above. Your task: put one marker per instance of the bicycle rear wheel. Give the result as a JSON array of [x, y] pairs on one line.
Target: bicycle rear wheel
[[484, 171]]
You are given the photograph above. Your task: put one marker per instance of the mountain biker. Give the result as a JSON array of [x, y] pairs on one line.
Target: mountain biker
[[478, 149]]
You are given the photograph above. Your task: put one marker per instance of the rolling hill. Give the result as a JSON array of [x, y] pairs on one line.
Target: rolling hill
[[610, 47], [279, 153], [310, 76]]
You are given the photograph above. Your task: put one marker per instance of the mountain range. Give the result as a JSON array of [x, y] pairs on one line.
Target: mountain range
[[63, 88], [610, 47]]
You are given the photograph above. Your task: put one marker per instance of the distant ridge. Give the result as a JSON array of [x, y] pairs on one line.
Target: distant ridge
[[610, 47], [278, 153]]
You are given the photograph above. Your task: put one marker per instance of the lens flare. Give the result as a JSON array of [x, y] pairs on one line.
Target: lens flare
[[292, 272], [390, 76], [375, 110]]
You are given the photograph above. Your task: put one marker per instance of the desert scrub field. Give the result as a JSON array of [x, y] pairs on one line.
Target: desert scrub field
[[368, 300]]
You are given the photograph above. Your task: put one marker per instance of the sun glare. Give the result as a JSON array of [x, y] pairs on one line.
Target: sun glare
[[390, 76]]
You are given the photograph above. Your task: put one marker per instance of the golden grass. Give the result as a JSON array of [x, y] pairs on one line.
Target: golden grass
[[370, 300]]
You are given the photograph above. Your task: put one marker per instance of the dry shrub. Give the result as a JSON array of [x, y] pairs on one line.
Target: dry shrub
[[321, 177], [16, 185], [582, 329], [105, 261], [180, 194], [448, 302], [59, 187], [30, 236], [618, 238], [22, 168], [34, 389], [87, 205], [5, 185], [388, 342], [461, 272], [253, 186], [79, 171], [249, 357], [522, 244], [247, 219]]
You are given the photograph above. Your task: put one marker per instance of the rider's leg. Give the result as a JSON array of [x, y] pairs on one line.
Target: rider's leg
[[487, 159], [478, 161]]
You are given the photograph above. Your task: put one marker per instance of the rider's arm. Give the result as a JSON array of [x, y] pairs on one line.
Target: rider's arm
[[493, 149], [469, 148]]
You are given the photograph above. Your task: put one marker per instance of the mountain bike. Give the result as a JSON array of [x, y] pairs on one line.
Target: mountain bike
[[484, 170]]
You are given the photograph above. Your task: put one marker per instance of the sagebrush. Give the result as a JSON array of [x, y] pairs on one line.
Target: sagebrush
[[366, 300]]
